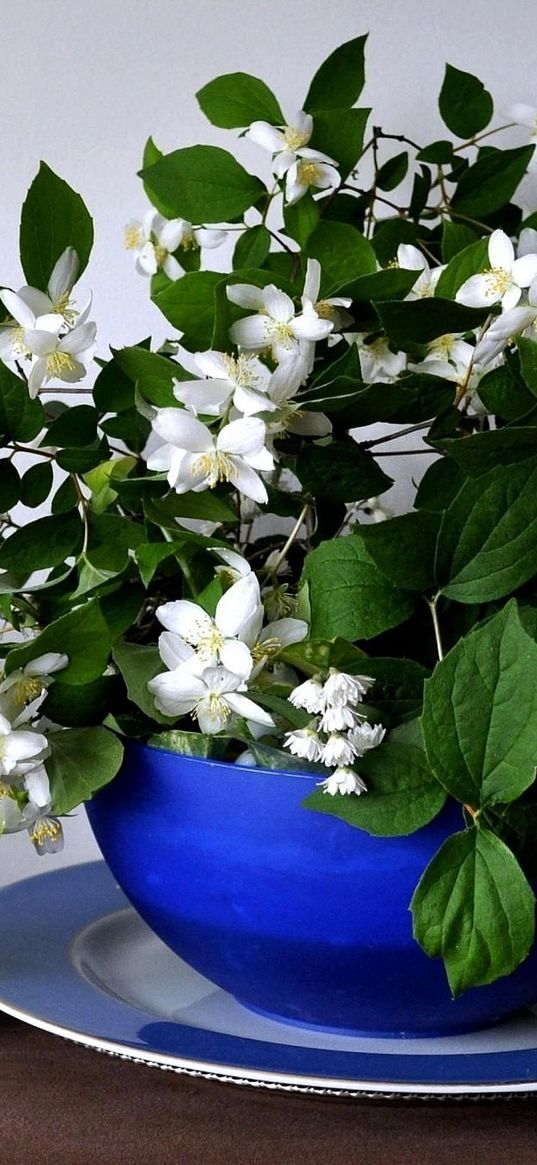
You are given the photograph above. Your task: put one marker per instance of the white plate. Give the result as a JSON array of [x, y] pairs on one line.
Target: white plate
[[79, 962]]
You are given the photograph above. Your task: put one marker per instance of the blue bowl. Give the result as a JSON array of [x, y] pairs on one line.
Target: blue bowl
[[296, 914]]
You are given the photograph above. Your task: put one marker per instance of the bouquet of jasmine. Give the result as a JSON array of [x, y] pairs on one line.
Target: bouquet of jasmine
[[215, 571]]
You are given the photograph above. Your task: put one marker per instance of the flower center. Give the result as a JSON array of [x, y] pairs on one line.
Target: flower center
[[28, 689], [279, 332], [442, 346], [326, 310], [498, 280], [161, 254], [241, 370], [214, 466], [309, 173], [189, 241], [216, 707], [62, 307], [58, 363], [265, 650], [18, 345], [133, 238], [209, 642], [295, 138], [46, 829]]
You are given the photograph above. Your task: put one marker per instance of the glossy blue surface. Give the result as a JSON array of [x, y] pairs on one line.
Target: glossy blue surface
[[294, 913]]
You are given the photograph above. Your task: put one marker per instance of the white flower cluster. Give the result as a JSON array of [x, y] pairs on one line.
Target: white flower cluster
[[45, 329], [211, 659], [252, 403], [340, 733], [301, 166], [25, 801], [154, 239]]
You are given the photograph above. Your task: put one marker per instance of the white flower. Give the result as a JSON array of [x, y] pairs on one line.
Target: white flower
[[344, 781], [37, 786], [341, 689], [197, 459], [45, 832], [59, 357], [214, 697], [16, 333], [57, 298], [304, 743], [290, 415], [409, 258], [378, 364], [238, 617], [308, 695], [448, 356], [338, 750], [18, 746], [504, 281], [308, 171], [275, 325], [275, 636], [235, 566], [23, 691], [339, 718], [501, 332], [365, 736], [155, 238], [243, 381], [303, 166], [330, 309]]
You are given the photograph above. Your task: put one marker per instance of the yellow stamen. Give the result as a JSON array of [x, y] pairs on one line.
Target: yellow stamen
[[215, 466], [58, 363], [498, 280], [241, 370], [134, 238], [46, 830], [210, 642], [62, 307], [266, 650], [294, 138], [189, 241], [308, 173]]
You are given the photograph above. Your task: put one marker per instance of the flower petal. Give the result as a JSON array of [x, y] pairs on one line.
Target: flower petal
[[525, 270], [64, 274], [501, 251], [266, 135], [186, 619], [245, 707], [236, 658], [278, 305], [251, 333], [179, 428], [243, 437], [245, 295], [237, 606]]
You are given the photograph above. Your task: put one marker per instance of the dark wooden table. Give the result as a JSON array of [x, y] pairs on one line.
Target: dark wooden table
[[67, 1105]]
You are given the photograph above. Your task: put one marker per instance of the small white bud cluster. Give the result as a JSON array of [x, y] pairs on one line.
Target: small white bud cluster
[[339, 732]]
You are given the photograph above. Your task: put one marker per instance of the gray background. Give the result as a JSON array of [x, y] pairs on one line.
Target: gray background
[[85, 84]]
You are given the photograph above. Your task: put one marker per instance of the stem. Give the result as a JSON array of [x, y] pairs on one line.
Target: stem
[[462, 388], [431, 603], [394, 436], [403, 452], [28, 449], [294, 533], [83, 510], [479, 137]]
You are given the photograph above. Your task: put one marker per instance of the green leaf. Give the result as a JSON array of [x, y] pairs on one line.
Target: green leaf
[[440, 153], [528, 362], [188, 304], [318, 655], [252, 247], [280, 761], [344, 254], [113, 391], [456, 237], [82, 634], [487, 546], [150, 555], [439, 485], [348, 594], [21, 418], [77, 427], [301, 218], [474, 908], [404, 548], [402, 793], [491, 181], [465, 105], [340, 472], [138, 665], [478, 454], [392, 172], [81, 705], [81, 761], [339, 133], [45, 542], [480, 713], [340, 79], [394, 283], [421, 320], [10, 485], [154, 374], [53, 217], [469, 261], [504, 393], [234, 100], [203, 184], [189, 743], [398, 692], [36, 484], [388, 235]]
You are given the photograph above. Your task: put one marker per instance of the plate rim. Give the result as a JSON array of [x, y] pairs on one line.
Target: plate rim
[[271, 1079]]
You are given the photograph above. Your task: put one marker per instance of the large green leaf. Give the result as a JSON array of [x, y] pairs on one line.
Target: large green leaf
[[487, 545], [45, 542], [83, 634], [465, 263], [340, 472], [404, 548], [465, 105], [252, 247], [419, 321], [474, 908], [340, 79], [53, 217], [21, 418], [402, 793], [10, 485], [349, 596], [81, 760], [138, 665], [188, 304], [237, 99], [491, 181], [344, 254], [478, 454], [528, 362], [480, 713], [339, 133], [203, 184], [398, 692]]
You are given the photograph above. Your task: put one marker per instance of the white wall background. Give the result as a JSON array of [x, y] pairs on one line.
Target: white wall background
[[85, 84]]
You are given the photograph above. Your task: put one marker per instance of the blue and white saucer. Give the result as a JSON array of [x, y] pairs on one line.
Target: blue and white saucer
[[76, 960]]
